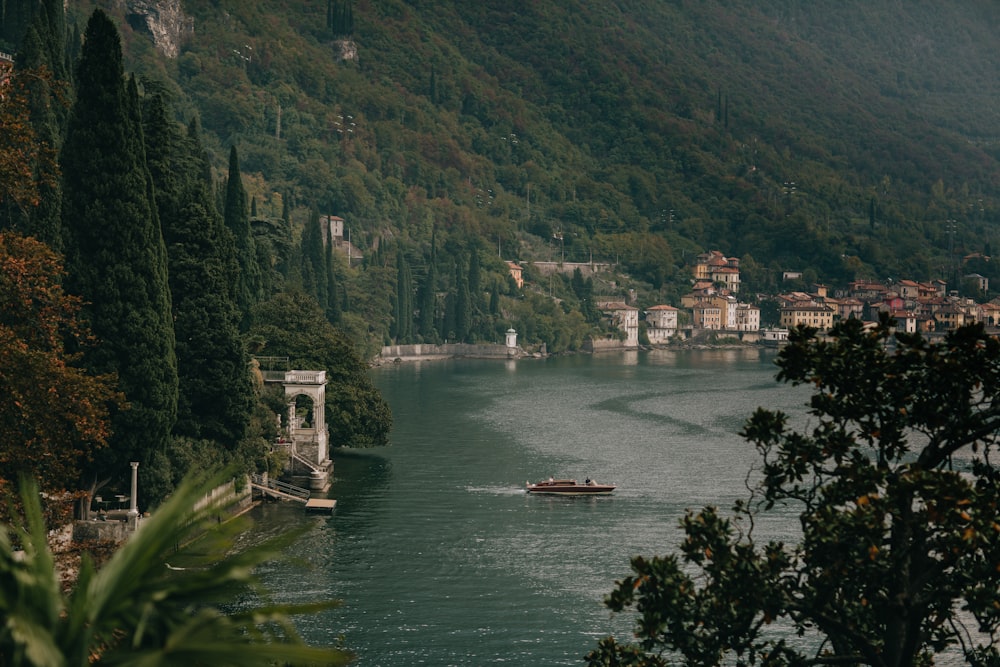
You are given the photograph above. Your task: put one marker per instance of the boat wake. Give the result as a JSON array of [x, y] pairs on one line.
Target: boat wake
[[496, 490]]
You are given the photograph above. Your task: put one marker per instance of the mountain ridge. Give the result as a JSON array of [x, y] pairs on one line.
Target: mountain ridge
[[797, 135]]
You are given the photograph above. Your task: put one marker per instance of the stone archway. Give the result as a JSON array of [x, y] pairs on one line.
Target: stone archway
[[309, 438]]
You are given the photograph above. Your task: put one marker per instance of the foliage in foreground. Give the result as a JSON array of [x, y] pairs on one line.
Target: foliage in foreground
[[899, 558], [140, 609]]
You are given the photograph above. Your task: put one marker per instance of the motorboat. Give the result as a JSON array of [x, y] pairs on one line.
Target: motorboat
[[569, 487]]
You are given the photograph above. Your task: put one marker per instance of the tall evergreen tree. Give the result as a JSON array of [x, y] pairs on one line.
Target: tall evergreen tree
[[495, 300], [282, 265], [427, 303], [340, 18], [479, 322], [215, 398], [475, 279], [463, 306], [116, 260], [584, 290], [401, 327], [448, 321], [333, 309], [314, 265], [237, 218]]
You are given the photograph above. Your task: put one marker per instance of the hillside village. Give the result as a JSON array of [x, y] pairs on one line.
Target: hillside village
[[713, 307]]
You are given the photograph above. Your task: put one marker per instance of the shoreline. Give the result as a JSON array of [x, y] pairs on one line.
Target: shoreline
[[439, 355]]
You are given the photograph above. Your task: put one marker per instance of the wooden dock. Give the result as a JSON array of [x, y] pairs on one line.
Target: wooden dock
[[320, 504], [277, 489]]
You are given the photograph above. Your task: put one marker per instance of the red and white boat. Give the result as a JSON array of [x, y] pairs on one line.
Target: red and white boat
[[569, 487]]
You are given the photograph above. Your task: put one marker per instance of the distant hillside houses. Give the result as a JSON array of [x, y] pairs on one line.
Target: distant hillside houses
[[713, 307], [924, 307], [713, 304], [710, 307], [719, 270]]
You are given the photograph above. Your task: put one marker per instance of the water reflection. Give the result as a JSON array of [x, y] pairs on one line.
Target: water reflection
[[440, 556]]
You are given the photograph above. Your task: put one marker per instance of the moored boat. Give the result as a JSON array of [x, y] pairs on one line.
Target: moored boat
[[569, 487]]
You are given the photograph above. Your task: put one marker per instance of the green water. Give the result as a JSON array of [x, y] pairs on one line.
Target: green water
[[439, 556]]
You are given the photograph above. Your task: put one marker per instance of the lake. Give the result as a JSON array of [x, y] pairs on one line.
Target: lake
[[440, 557]]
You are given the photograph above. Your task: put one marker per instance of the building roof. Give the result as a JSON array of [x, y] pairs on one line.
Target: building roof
[[821, 307]]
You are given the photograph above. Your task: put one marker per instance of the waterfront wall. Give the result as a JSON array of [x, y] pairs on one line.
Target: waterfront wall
[[607, 345], [430, 351]]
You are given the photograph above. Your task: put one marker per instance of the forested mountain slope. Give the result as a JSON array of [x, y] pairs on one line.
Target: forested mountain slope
[[852, 139]]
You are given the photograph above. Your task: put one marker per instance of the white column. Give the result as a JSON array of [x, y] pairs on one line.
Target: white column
[[133, 509]]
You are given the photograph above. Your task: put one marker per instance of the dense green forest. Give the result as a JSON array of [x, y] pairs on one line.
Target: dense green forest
[[134, 287], [844, 140], [847, 140]]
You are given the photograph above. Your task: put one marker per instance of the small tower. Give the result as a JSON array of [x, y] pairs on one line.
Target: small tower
[[511, 339]]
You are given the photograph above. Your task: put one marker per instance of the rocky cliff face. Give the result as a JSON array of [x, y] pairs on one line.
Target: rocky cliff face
[[163, 20], [345, 49]]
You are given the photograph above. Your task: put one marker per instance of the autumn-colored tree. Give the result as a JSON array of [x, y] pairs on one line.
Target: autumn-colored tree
[[20, 149], [52, 413]]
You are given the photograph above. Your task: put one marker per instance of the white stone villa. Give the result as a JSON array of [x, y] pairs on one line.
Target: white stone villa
[[661, 324], [625, 318]]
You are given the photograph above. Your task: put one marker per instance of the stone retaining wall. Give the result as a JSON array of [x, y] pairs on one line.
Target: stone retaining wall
[[426, 350], [607, 345]]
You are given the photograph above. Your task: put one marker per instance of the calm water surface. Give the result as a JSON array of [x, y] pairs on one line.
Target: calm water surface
[[439, 556]]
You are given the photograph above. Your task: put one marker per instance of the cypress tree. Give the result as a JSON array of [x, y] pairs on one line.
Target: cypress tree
[[215, 398], [237, 219], [333, 299], [265, 261], [463, 306], [475, 280], [282, 264], [427, 304], [161, 157], [447, 325], [340, 18], [314, 280], [495, 300], [116, 260], [402, 321]]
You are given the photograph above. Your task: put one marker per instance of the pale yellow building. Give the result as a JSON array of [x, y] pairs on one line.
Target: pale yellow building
[[819, 316]]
